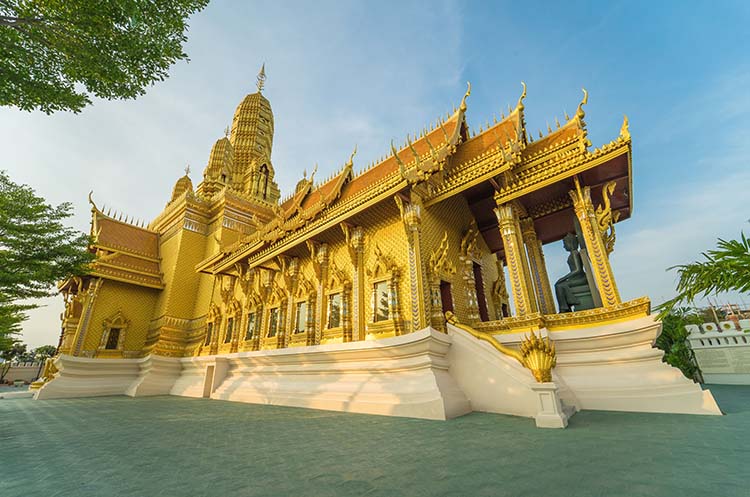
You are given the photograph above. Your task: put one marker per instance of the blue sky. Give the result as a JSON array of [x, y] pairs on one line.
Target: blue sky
[[345, 73]]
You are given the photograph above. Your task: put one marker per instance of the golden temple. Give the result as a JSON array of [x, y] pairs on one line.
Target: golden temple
[[449, 223]]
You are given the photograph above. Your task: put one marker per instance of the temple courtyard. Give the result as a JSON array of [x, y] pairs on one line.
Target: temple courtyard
[[164, 446]]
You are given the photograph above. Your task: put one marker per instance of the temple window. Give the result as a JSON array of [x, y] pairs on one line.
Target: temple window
[[113, 336], [334, 310], [300, 322], [273, 322], [113, 339], [230, 328], [381, 301], [250, 331], [209, 332]]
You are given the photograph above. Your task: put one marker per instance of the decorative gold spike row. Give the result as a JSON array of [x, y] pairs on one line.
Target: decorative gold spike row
[[536, 354]]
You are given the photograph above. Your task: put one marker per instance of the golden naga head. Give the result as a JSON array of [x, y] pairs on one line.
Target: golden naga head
[[539, 356]]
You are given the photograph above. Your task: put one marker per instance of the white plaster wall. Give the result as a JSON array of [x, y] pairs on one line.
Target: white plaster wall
[[616, 368], [493, 382], [399, 376], [85, 377]]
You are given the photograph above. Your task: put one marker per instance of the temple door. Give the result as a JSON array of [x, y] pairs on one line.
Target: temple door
[[446, 297]]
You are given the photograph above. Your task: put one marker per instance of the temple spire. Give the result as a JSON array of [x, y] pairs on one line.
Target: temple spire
[[262, 77]]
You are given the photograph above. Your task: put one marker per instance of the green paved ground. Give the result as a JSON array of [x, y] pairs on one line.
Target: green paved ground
[[165, 446]]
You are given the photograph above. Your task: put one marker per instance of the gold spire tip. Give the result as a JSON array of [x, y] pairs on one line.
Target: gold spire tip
[[261, 77]]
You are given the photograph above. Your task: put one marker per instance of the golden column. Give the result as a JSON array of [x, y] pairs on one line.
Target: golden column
[[319, 255], [411, 215], [515, 257], [596, 248], [355, 242], [538, 267]]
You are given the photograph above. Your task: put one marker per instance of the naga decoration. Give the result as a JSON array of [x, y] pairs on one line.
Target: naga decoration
[[606, 218], [536, 354]]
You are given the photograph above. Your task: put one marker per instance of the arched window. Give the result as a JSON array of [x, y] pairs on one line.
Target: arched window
[[385, 315], [113, 336], [213, 323], [338, 298]]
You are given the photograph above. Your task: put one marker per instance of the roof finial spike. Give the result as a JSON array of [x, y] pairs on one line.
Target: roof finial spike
[[625, 129], [261, 78], [350, 162], [519, 105], [466, 95], [187, 170], [549, 129], [567, 117], [494, 119], [502, 115], [510, 111], [557, 122], [540, 133], [580, 114], [91, 200]]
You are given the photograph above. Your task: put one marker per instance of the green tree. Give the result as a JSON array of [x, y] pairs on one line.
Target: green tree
[[15, 352], [673, 340], [723, 269], [44, 352], [36, 251], [56, 54]]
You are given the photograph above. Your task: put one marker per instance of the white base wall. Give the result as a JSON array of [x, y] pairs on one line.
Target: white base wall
[[493, 382], [426, 374], [400, 376], [84, 377], [616, 368]]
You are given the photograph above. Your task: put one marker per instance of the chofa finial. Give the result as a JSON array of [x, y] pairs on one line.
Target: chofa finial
[[523, 95], [262, 77], [580, 114], [466, 95], [91, 200]]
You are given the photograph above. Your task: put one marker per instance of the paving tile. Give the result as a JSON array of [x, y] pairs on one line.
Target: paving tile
[[171, 446]]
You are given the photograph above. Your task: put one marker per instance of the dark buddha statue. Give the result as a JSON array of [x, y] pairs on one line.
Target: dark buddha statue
[[573, 290]]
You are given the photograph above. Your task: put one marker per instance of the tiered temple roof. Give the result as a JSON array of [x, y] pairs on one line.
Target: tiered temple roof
[[125, 251]]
